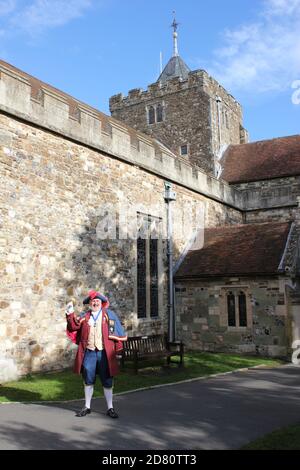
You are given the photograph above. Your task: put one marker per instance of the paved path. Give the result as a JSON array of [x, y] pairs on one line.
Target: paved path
[[223, 412]]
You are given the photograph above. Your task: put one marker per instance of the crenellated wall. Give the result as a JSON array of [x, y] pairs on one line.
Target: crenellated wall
[[197, 112]]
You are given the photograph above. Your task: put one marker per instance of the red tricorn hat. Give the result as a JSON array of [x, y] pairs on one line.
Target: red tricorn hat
[[93, 294]]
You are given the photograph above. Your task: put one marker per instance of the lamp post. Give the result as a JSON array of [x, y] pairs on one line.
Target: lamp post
[[169, 197]]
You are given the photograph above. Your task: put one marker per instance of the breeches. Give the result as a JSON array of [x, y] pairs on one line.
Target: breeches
[[95, 363]]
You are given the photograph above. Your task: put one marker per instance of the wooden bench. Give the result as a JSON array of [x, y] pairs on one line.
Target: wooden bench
[[140, 348]]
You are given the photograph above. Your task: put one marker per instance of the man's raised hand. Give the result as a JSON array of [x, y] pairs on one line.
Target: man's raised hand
[[70, 308]]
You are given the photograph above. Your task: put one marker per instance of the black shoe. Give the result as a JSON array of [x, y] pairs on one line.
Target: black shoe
[[111, 413], [85, 411]]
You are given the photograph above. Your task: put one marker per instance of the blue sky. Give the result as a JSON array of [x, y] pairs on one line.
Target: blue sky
[[93, 49]]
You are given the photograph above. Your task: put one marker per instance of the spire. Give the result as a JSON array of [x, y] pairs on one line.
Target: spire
[[174, 25], [176, 66]]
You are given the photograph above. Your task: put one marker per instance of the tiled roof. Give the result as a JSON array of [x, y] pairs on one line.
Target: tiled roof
[[174, 68], [248, 249], [262, 160]]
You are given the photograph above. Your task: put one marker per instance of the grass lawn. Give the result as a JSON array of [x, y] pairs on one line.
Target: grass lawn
[[67, 386], [283, 439]]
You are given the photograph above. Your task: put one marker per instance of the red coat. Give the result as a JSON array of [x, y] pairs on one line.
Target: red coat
[[111, 346]]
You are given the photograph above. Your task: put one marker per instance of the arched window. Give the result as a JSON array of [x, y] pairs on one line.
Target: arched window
[[151, 115], [242, 309], [231, 309], [159, 113]]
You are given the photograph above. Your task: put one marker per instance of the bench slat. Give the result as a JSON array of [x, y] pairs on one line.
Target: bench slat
[[146, 347]]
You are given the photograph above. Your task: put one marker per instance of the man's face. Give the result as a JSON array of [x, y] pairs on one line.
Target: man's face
[[95, 305]]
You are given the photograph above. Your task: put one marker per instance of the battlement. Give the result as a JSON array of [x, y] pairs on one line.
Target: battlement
[[42, 105], [197, 78]]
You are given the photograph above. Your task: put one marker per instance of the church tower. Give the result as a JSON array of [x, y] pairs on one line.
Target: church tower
[[188, 111]]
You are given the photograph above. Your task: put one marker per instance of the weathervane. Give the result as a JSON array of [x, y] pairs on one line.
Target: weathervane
[[174, 24]]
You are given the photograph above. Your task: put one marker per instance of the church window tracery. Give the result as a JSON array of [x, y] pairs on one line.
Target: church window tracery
[[237, 309], [148, 268], [155, 113]]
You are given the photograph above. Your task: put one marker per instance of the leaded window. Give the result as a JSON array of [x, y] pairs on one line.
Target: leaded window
[[242, 309], [231, 309], [141, 278], [237, 309], [153, 278], [149, 237]]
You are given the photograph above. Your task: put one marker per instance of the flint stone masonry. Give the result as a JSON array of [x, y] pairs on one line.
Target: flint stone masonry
[[268, 332], [192, 116], [58, 167]]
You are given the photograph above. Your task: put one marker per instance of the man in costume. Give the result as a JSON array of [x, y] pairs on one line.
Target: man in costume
[[99, 335]]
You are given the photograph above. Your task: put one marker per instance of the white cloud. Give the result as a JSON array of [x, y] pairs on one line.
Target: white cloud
[[279, 7], [41, 14], [263, 55], [35, 16]]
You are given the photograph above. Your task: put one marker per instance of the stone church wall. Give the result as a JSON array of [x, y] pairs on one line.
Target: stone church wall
[[270, 200], [57, 171], [202, 322]]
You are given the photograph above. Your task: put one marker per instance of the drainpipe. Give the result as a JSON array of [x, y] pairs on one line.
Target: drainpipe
[[169, 197], [219, 100]]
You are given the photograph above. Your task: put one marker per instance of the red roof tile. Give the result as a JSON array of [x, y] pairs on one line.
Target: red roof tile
[[262, 160], [237, 250]]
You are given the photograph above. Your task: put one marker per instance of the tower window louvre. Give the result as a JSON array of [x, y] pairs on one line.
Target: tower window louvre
[[151, 115], [159, 113]]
